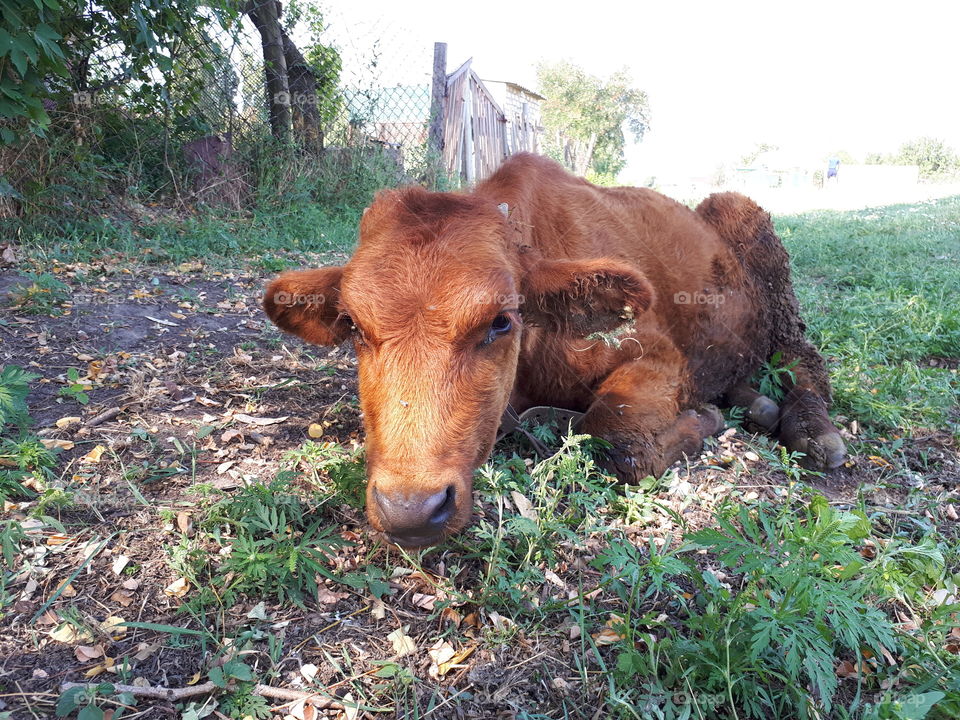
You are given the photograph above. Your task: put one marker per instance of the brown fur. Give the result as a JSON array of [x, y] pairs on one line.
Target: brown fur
[[705, 296]]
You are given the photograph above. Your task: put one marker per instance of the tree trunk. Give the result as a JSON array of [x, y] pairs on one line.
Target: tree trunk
[[588, 155], [303, 97], [266, 17]]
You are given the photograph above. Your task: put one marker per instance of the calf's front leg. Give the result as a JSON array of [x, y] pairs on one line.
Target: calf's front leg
[[637, 410]]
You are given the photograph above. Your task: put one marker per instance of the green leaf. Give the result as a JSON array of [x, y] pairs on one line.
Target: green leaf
[[90, 712], [239, 670], [6, 42], [217, 677], [19, 59], [916, 707], [70, 700], [631, 663]]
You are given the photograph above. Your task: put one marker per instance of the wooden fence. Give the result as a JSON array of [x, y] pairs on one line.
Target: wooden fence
[[474, 127]]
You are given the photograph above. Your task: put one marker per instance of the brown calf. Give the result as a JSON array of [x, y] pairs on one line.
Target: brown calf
[[458, 304]]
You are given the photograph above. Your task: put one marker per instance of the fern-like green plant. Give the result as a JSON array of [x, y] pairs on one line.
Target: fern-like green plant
[[279, 546], [802, 606], [14, 387]]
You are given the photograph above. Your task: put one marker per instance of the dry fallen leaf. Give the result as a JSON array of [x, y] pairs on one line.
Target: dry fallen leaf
[[86, 653], [230, 435], [114, 626], [240, 417], [145, 650], [403, 644], [309, 672], [57, 444], [326, 596], [607, 636], [107, 664], [351, 710], [70, 634], [119, 564], [524, 506], [8, 258], [94, 455], [122, 597], [184, 523], [877, 460], [178, 588], [67, 591], [451, 616], [845, 669], [456, 661], [424, 601], [441, 654]]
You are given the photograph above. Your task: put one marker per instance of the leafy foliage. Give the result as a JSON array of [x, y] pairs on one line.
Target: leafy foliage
[[774, 376], [336, 471], [584, 116], [558, 500], [52, 49], [14, 387], [933, 156], [769, 649], [40, 294], [30, 51], [276, 542]]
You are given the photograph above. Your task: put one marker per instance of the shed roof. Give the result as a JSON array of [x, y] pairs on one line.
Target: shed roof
[[517, 86]]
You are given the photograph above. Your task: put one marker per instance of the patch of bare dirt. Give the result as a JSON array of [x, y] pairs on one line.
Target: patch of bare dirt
[[173, 353]]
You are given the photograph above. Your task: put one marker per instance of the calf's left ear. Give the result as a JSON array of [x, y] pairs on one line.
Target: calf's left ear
[[579, 297], [306, 303]]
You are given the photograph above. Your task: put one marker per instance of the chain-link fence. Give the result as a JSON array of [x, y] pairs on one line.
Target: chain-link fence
[[196, 126]]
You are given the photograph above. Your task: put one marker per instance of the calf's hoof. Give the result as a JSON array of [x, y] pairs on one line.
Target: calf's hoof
[[764, 413], [621, 463], [824, 452], [711, 419]]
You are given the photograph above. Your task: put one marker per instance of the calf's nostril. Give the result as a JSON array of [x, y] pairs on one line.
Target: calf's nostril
[[446, 507]]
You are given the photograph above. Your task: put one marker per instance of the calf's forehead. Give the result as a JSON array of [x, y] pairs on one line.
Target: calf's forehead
[[449, 286]]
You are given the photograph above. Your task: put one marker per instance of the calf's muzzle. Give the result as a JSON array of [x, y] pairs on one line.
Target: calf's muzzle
[[417, 518]]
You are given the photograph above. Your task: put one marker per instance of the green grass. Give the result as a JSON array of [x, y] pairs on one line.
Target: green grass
[[879, 293], [274, 240]]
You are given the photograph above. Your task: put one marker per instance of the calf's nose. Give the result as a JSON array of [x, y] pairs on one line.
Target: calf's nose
[[415, 518]]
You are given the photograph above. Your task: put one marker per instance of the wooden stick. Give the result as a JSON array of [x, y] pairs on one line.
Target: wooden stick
[[103, 417], [173, 694]]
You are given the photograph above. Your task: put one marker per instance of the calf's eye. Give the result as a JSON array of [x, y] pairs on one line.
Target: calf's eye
[[501, 325]]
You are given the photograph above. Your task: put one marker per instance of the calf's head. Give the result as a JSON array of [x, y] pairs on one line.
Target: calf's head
[[436, 300]]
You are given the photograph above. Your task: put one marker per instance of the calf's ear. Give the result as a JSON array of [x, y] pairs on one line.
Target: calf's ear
[[306, 303], [579, 297]]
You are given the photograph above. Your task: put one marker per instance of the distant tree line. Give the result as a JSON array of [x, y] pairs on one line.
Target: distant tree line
[[936, 159]]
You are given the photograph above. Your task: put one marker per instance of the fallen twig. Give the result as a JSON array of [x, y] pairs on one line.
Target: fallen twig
[[103, 417], [173, 694]]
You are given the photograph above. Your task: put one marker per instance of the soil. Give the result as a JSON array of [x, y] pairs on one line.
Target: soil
[[178, 351]]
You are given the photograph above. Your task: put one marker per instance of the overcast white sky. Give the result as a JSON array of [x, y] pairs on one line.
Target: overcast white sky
[[813, 76]]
